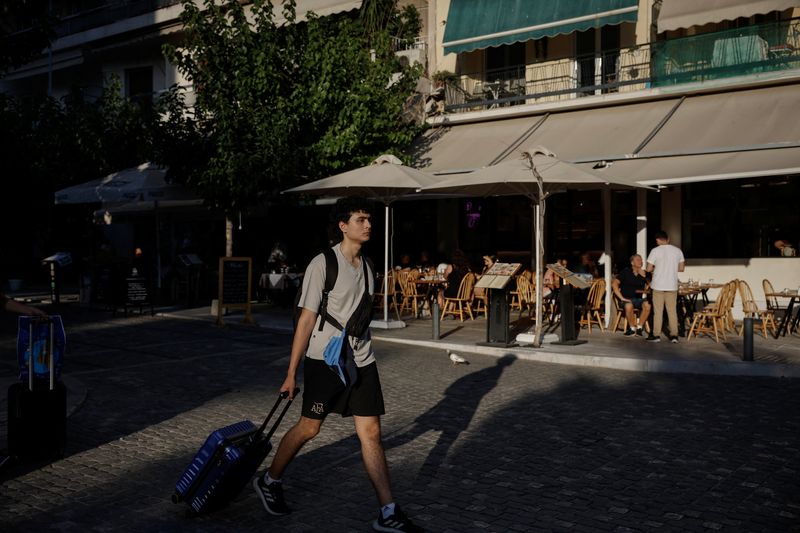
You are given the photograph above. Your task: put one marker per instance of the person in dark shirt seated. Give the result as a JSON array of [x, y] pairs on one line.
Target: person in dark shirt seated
[[629, 287], [454, 273]]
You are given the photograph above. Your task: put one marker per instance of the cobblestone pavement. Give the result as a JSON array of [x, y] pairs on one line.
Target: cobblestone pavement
[[496, 445]]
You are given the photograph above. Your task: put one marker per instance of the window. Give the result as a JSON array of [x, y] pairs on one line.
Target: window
[[740, 218], [139, 86]]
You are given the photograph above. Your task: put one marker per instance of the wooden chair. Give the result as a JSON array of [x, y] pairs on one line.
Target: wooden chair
[[462, 301], [713, 317], [621, 320], [526, 291], [515, 302], [751, 310], [391, 293], [592, 312], [480, 302], [772, 302], [411, 296]]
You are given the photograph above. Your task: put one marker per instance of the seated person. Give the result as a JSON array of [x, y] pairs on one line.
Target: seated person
[[551, 281], [454, 273], [785, 249], [405, 263], [629, 287], [488, 262], [587, 266]]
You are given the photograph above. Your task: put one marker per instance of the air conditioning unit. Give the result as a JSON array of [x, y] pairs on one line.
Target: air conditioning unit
[[412, 55]]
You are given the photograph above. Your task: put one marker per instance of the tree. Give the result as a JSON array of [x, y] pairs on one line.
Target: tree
[[276, 102]]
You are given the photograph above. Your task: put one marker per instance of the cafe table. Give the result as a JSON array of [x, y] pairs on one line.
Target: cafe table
[[787, 317], [432, 286]]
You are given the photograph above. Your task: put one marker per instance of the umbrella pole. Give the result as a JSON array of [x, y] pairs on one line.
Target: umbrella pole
[[158, 248], [386, 266], [539, 268]]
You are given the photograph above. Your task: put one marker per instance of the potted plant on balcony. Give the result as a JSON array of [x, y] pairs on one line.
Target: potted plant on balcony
[[441, 77]]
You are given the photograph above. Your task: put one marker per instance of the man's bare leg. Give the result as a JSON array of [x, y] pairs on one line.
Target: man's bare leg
[[368, 429], [294, 439]]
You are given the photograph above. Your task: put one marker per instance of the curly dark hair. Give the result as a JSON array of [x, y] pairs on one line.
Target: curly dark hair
[[344, 208]]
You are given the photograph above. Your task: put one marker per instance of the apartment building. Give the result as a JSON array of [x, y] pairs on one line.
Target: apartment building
[[698, 101]]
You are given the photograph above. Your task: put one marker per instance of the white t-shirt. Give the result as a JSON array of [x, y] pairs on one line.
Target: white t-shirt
[[665, 258], [342, 302]]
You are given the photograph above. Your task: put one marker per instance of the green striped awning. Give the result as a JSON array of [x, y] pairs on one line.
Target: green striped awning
[[475, 24]]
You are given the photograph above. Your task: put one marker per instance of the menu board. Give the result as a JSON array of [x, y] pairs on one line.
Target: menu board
[[136, 292], [576, 280], [498, 276], [235, 286], [235, 274]]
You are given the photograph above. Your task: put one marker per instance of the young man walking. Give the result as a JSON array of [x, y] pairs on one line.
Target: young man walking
[[665, 261], [350, 388]]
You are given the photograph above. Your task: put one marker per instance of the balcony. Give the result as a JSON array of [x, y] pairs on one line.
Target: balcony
[[740, 52]]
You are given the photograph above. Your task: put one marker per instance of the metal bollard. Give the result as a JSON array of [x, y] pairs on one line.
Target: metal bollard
[[435, 318], [747, 346]]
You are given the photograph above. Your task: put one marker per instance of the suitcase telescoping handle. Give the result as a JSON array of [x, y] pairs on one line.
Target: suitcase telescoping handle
[[283, 395], [48, 350]]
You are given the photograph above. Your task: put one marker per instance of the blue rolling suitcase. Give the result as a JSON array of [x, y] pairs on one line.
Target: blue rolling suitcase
[[226, 462]]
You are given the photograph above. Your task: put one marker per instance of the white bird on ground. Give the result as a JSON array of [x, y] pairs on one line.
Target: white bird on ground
[[457, 359]]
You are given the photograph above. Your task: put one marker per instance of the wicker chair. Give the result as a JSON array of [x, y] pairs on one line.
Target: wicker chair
[[526, 291]]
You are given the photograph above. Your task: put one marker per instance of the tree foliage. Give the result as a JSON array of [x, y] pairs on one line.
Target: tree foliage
[[280, 102]]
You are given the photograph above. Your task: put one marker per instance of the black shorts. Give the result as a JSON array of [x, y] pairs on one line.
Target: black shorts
[[325, 393]]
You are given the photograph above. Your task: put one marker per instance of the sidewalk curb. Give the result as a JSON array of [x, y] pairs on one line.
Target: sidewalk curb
[[732, 368]]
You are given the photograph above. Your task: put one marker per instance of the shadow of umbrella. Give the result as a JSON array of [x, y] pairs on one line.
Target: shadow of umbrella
[[536, 174], [385, 179], [452, 415]]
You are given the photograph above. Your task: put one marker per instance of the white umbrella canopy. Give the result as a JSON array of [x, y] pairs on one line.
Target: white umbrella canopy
[[536, 174], [385, 179], [516, 176], [143, 183]]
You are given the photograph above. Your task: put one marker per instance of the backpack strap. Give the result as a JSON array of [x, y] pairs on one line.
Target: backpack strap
[[331, 273]]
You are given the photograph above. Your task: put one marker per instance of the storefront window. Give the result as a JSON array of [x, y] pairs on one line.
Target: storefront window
[[740, 218]]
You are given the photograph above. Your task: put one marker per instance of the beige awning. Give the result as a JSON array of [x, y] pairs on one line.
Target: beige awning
[[677, 14], [466, 147], [733, 121], [706, 167], [703, 137], [575, 135]]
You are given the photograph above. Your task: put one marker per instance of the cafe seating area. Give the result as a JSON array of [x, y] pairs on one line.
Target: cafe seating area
[[706, 310]]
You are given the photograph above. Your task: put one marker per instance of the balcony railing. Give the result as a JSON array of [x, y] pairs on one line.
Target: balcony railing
[[744, 51], [738, 52]]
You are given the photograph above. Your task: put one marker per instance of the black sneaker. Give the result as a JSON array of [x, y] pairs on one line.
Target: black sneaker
[[271, 496], [397, 522], [653, 338], [673, 339], [639, 332], [629, 332]]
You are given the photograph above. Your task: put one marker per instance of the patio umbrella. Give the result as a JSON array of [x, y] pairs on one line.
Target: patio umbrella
[[536, 174], [385, 179], [143, 185]]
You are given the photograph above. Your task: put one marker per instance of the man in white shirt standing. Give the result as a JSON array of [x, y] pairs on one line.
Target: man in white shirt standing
[[665, 261]]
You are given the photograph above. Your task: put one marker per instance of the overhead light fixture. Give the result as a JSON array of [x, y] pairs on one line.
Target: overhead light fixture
[[600, 165]]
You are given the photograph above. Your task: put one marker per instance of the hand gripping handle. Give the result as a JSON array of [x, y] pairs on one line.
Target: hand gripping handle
[[283, 395]]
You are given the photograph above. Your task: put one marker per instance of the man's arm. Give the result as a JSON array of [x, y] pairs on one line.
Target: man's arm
[[302, 334], [615, 288], [22, 309], [650, 267], [681, 266]]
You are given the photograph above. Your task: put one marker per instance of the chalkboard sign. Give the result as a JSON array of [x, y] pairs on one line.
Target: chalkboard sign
[[235, 274], [136, 292]]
